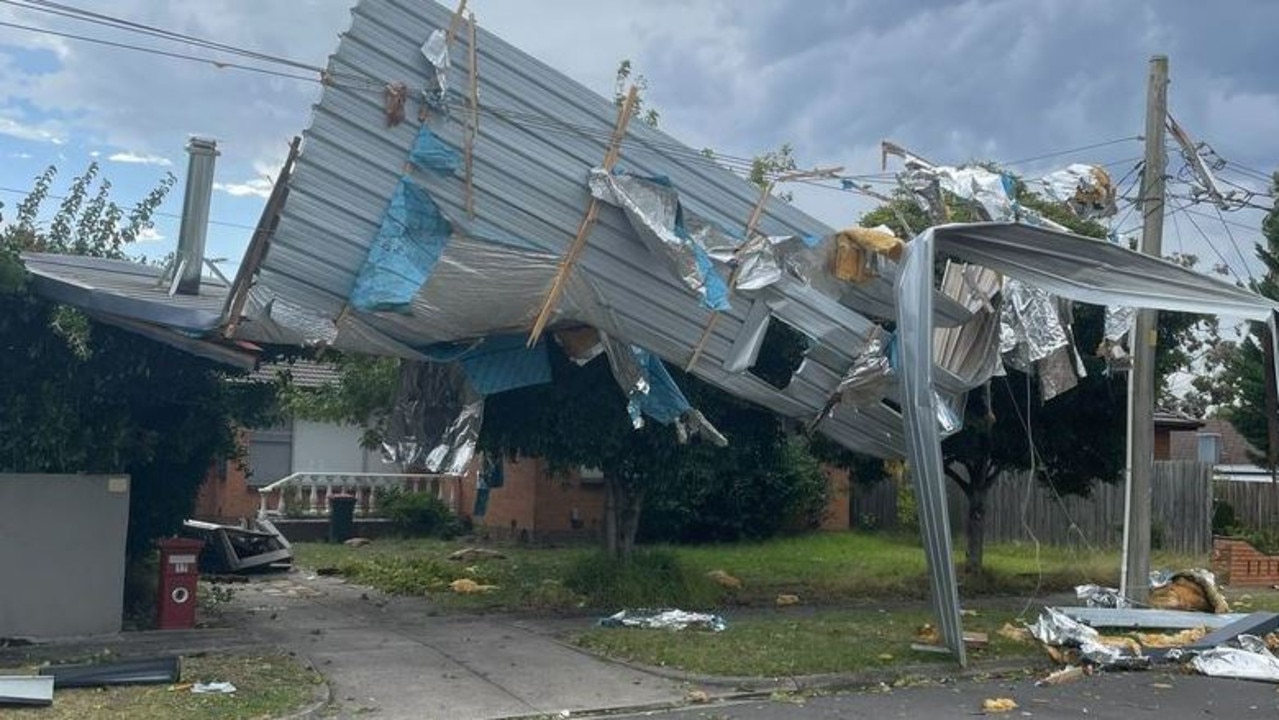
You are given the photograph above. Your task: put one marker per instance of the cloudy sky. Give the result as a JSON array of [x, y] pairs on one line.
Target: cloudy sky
[[1005, 80]]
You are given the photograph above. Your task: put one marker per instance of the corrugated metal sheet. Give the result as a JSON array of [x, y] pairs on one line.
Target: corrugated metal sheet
[[540, 134], [125, 289]]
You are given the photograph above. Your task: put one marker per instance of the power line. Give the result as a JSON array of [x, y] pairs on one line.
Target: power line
[[1213, 247], [1058, 153], [175, 216], [1233, 243], [67, 11], [220, 64]]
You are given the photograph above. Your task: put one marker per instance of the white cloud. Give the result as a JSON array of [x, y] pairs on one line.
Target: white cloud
[[25, 131], [20, 155], [149, 235], [140, 159], [257, 187]]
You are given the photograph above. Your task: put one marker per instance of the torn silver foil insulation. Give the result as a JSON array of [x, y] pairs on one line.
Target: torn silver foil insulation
[[436, 52], [435, 423], [1054, 628], [695, 248], [1252, 661], [1030, 328], [665, 620], [870, 377], [653, 211], [1100, 597], [1085, 189]]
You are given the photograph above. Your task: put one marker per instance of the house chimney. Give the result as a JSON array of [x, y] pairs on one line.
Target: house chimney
[[195, 213]]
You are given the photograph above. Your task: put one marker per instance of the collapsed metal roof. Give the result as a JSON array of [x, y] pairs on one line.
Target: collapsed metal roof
[[437, 194], [398, 236]]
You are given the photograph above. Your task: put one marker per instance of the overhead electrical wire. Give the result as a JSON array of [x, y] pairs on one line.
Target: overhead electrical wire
[[1212, 246], [175, 216], [220, 64]]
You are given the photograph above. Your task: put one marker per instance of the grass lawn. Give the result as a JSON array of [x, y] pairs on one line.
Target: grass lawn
[[862, 596], [822, 568], [267, 686], [790, 642]]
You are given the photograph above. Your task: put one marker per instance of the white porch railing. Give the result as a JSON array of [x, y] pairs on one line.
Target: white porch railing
[[313, 490]]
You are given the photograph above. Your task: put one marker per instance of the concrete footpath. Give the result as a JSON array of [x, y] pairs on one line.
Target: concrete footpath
[[394, 658]]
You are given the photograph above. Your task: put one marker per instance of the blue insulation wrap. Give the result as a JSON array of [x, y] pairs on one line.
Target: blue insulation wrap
[[407, 247], [716, 295], [497, 363], [664, 402], [431, 153]]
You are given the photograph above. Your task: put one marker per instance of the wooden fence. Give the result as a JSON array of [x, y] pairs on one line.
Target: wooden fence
[[1256, 504], [1021, 509]]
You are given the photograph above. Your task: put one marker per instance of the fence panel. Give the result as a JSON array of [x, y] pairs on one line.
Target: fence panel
[[1021, 509]]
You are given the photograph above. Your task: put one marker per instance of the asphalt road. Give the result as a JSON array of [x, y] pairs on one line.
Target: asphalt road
[[1113, 696]]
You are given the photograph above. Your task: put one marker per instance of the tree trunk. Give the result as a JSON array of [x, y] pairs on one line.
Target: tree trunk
[[976, 525], [609, 538], [628, 525], [976, 490]]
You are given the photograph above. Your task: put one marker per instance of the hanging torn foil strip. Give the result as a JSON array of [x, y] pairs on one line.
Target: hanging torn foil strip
[[651, 392], [1086, 189], [1030, 326], [435, 423], [870, 377], [652, 207], [436, 52], [694, 246]]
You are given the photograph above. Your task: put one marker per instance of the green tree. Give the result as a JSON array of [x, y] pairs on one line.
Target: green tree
[[1247, 389], [1079, 437], [82, 396], [363, 394]]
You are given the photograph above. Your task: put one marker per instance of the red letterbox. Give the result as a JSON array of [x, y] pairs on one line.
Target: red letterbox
[[179, 575]]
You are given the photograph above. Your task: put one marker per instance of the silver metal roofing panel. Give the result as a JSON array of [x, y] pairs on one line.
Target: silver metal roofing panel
[[128, 290], [540, 134]]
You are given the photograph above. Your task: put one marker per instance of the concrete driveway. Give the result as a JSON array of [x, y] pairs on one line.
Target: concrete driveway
[[393, 658]]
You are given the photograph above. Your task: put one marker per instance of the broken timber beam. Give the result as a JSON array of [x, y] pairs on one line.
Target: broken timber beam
[[588, 222]]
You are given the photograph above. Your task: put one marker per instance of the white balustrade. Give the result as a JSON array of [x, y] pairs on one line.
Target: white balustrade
[[313, 490]]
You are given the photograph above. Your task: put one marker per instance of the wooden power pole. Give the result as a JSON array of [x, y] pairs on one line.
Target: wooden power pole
[[1135, 578]]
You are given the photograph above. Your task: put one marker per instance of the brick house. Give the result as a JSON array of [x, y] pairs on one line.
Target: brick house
[[1216, 441], [532, 503]]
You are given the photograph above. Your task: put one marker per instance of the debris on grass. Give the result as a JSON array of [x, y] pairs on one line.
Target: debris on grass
[[998, 705], [1163, 640], [1194, 590], [472, 554], [697, 697], [213, 688], [357, 542], [786, 600], [1068, 674], [665, 620], [1015, 633], [467, 586], [724, 580]]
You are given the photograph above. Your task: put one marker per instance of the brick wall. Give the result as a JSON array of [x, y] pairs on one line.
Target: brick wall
[[1238, 564], [567, 505], [225, 495], [533, 504]]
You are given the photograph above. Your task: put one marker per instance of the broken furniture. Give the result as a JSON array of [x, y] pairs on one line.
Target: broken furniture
[[231, 549]]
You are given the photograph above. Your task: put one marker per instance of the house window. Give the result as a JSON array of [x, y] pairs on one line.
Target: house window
[[270, 454], [1209, 448], [590, 475]]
